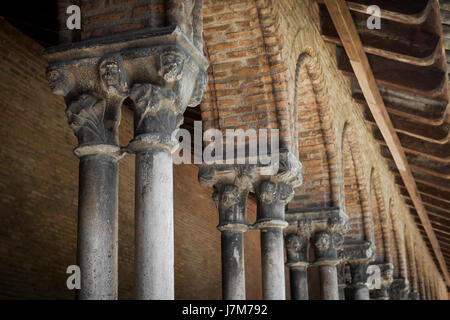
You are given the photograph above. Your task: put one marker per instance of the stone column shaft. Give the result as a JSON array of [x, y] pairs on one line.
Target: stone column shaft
[[326, 244], [272, 259], [154, 259], [299, 283], [329, 282], [98, 227], [233, 270], [270, 220]]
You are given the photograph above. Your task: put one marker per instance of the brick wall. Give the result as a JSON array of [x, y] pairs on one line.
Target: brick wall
[[39, 185]]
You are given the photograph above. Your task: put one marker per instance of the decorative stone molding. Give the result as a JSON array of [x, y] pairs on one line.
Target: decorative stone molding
[[399, 289], [322, 219], [387, 270]]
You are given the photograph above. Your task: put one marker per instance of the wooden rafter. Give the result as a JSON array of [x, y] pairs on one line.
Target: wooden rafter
[[351, 41]]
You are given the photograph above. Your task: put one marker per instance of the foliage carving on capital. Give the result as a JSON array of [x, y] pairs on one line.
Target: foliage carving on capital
[[230, 201], [153, 109], [86, 118]]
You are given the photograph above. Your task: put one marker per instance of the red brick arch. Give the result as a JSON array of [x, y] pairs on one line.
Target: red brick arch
[[248, 77], [355, 192], [316, 139], [380, 220]]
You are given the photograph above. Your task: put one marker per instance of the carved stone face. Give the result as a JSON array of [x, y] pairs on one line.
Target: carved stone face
[[229, 197], [293, 247], [113, 75], [60, 81], [323, 242], [268, 192], [172, 64]]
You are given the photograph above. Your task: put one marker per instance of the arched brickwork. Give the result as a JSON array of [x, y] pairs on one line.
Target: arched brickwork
[[411, 263], [398, 244], [356, 198], [420, 272], [248, 78], [380, 221], [315, 136], [394, 244]]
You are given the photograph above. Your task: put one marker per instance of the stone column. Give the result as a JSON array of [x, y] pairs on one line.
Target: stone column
[[158, 111], [271, 199], [231, 187], [297, 261], [93, 112], [325, 245], [358, 255]]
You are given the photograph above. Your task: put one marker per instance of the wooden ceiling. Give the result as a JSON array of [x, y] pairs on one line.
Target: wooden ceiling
[[409, 63]]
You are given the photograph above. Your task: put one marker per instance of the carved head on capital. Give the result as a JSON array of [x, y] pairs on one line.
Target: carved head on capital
[[322, 242], [295, 248], [268, 192], [113, 75], [171, 65], [60, 80]]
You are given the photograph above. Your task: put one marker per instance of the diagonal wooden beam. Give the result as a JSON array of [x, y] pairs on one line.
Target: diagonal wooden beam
[[345, 26]]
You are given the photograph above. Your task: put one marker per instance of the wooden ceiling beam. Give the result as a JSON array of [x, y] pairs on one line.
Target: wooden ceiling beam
[[345, 26]]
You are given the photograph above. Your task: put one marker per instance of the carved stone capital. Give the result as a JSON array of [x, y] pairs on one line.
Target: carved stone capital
[[399, 289], [231, 201], [296, 250], [231, 184], [358, 255], [325, 248], [159, 69]]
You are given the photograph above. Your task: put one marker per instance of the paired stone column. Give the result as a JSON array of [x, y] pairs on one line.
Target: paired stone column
[[297, 259], [162, 73], [232, 183], [231, 187], [358, 255], [386, 270], [327, 228], [271, 199]]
